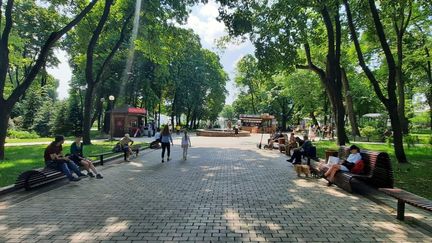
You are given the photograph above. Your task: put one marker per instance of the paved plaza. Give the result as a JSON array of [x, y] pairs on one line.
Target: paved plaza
[[227, 191]]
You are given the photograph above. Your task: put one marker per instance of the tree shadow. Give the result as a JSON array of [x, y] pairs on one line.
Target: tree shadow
[[217, 194]]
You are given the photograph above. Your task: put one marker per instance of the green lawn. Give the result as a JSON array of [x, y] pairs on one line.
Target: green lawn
[[22, 158], [415, 177], [94, 134]]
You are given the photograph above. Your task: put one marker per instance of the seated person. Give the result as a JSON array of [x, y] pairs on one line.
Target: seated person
[[305, 146], [125, 143], [344, 165], [274, 138], [76, 156], [291, 144], [54, 159], [156, 143]]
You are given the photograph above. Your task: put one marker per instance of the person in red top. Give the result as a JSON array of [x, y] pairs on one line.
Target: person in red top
[[54, 159]]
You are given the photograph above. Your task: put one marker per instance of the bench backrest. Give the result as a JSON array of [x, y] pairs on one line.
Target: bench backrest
[[377, 166]]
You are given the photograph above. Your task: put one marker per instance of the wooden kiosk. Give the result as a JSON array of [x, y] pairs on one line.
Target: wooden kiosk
[[252, 123], [126, 119]]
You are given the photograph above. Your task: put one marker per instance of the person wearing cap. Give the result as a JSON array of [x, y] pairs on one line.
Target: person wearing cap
[[76, 155], [125, 143], [54, 159], [344, 165]]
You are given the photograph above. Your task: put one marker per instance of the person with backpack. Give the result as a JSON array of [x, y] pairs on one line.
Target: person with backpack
[[165, 139], [185, 144]]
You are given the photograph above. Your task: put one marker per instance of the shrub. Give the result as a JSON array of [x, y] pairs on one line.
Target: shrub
[[368, 131], [21, 134], [389, 141], [410, 140]]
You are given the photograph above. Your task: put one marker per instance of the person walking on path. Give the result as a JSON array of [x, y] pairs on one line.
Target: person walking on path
[[165, 141], [185, 144], [55, 159], [77, 156]]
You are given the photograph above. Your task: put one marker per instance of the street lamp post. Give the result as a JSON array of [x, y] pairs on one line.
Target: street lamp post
[[100, 118], [111, 99]]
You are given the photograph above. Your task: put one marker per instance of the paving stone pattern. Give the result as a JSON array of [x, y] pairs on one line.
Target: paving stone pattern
[[227, 191]]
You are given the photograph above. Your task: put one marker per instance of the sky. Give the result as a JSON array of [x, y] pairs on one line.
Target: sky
[[203, 21]]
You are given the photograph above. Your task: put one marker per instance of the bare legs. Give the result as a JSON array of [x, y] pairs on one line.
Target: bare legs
[[332, 171]]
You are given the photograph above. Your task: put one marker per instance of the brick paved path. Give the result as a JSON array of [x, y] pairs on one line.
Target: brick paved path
[[227, 191]]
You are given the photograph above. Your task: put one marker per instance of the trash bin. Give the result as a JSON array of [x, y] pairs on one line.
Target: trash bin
[[330, 152]]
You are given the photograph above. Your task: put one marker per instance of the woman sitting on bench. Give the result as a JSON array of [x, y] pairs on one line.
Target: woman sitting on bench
[[344, 165], [77, 156]]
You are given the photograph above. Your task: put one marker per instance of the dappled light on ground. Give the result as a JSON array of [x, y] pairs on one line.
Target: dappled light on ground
[[225, 191]]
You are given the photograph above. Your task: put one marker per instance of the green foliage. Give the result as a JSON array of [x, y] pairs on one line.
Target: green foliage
[[60, 123], [21, 134], [410, 140], [228, 112], [42, 121], [368, 131]]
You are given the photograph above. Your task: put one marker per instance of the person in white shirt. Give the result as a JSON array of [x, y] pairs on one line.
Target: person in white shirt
[[344, 165], [185, 144]]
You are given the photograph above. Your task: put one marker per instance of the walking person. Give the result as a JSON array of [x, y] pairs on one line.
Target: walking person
[[166, 138], [185, 144], [77, 156]]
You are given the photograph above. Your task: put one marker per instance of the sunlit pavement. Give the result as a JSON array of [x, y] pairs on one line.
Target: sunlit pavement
[[226, 191]]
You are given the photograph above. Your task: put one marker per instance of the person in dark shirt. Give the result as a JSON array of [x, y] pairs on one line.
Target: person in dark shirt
[[54, 159], [305, 146], [77, 156]]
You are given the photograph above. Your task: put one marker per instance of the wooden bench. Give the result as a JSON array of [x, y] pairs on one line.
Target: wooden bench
[[37, 177], [377, 173], [407, 197], [135, 149]]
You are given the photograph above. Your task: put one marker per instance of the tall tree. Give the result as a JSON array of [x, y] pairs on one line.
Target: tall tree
[[390, 102], [7, 103], [288, 27]]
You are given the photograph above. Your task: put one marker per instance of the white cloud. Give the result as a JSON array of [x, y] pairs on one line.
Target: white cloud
[[203, 21]]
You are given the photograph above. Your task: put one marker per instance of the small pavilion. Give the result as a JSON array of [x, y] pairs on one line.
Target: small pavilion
[[254, 123], [126, 119]]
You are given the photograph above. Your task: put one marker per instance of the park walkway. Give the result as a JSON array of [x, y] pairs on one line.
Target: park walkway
[[226, 191]]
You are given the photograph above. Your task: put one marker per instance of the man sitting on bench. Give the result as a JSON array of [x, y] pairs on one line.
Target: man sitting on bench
[[54, 159], [306, 145]]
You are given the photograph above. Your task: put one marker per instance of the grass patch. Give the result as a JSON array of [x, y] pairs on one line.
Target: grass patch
[[415, 177], [21, 158], [94, 134]]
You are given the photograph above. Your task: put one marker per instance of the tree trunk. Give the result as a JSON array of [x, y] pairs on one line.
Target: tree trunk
[[313, 117], [349, 105], [429, 75], [88, 105], [391, 101], [397, 133], [401, 87], [4, 120]]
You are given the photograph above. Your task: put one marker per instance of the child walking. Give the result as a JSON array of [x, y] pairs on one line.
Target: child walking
[[186, 143]]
